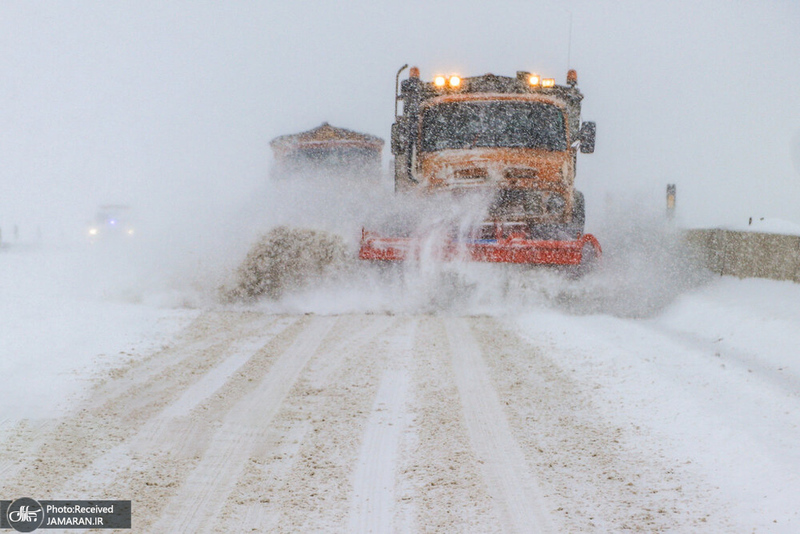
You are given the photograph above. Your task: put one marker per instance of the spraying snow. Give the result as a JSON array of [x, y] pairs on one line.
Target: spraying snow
[[307, 262], [287, 259], [292, 246]]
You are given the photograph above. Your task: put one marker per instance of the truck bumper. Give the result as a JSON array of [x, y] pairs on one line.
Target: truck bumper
[[509, 250]]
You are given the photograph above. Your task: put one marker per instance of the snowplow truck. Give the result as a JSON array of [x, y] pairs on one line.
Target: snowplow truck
[[327, 150], [516, 139]]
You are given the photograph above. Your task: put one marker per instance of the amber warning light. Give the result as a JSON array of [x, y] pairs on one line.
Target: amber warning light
[[572, 77], [452, 81]]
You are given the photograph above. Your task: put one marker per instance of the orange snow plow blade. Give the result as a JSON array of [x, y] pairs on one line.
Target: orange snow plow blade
[[513, 249]]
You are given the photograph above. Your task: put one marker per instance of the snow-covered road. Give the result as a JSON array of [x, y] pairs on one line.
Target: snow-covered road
[[541, 421]]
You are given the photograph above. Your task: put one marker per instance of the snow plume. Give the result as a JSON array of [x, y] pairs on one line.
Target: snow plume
[[287, 259], [646, 263], [293, 246], [318, 214]]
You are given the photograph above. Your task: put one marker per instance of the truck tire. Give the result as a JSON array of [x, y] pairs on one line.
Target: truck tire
[[578, 216]]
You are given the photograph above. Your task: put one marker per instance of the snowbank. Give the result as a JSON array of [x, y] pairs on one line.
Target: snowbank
[[767, 226]]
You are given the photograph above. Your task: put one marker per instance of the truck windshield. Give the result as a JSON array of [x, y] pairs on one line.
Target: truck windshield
[[513, 124]]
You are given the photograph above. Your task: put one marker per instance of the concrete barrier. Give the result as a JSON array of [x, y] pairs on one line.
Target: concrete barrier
[[748, 254]]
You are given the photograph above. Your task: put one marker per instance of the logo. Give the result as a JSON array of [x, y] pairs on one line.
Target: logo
[[25, 515]]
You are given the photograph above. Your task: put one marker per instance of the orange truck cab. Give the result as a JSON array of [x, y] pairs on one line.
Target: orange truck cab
[[515, 138]]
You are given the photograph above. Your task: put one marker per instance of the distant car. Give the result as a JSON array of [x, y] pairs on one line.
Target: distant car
[[112, 221]]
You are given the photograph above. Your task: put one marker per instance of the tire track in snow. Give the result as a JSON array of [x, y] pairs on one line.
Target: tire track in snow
[[163, 431], [373, 499], [264, 469], [334, 398], [156, 470], [201, 496], [516, 493], [441, 486], [353, 335], [18, 438], [242, 351], [273, 461], [196, 347], [121, 403]]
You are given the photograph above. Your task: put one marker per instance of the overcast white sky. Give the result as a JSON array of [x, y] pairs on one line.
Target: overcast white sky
[[171, 105]]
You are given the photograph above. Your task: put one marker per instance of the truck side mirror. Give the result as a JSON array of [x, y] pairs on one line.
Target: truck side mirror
[[399, 138], [587, 135]]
